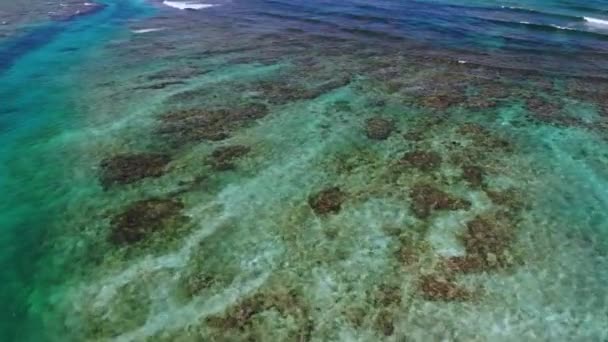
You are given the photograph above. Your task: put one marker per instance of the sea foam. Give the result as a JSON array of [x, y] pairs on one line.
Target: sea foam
[[182, 5]]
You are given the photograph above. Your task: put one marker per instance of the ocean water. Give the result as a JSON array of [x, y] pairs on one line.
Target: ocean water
[[275, 170]]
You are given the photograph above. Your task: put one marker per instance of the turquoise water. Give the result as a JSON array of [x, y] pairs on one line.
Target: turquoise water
[[40, 73], [308, 171]]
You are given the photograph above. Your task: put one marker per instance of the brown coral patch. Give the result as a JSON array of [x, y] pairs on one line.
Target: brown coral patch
[[426, 198], [286, 303], [143, 218], [129, 168], [327, 201], [441, 101], [223, 158], [379, 128], [193, 125], [438, 288], [510, 198], [489, 239], [464, 264], [422, 160], [473, 175]]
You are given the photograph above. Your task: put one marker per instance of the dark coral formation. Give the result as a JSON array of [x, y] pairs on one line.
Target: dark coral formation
[[129, 168], [464, 264], [422, 160], [438, 288], [482, 137], [287, 303], [223, 158], [282, 91], [143, 218], [378, 128], [487, 242], [473, 175], [327, 201], [384, 323], [387, 295], [510, 199], [426, 199], [194, 125], [442, 101], [160, 85], [489, 239]]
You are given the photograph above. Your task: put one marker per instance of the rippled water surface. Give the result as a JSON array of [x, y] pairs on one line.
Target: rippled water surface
[[280, 170]]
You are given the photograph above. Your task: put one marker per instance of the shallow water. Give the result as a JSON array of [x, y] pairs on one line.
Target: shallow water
[[307, 170]]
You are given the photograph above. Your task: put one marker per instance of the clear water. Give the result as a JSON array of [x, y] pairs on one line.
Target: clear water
[[471, 206]]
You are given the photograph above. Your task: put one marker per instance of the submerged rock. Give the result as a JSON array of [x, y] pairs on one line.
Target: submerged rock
[[143, 218], [200, 124], [129, 168], [327, 201], [422, 160], [378, 128], [426, 198], [223, 157]]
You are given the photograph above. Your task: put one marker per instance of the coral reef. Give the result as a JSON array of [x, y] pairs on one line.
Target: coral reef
[[482, 137], [384, 323], [487, 242], [143, 218], [378, 128], [223, 158], [426, 198], [439, 288], [422, 160], [129, 168], [473, 175], [442, 101], [327, 201], [287, 303], [550, 112], [192, 125]]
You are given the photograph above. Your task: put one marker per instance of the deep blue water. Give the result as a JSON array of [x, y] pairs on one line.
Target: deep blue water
[[554, 35]]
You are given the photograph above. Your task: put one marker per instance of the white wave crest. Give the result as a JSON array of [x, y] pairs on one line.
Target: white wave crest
[[595, 21], [182, 5], [149, 30]]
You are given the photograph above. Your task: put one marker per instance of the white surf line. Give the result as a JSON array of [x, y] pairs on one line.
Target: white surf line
[[595, 21], [183, 5], [149, 30]]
